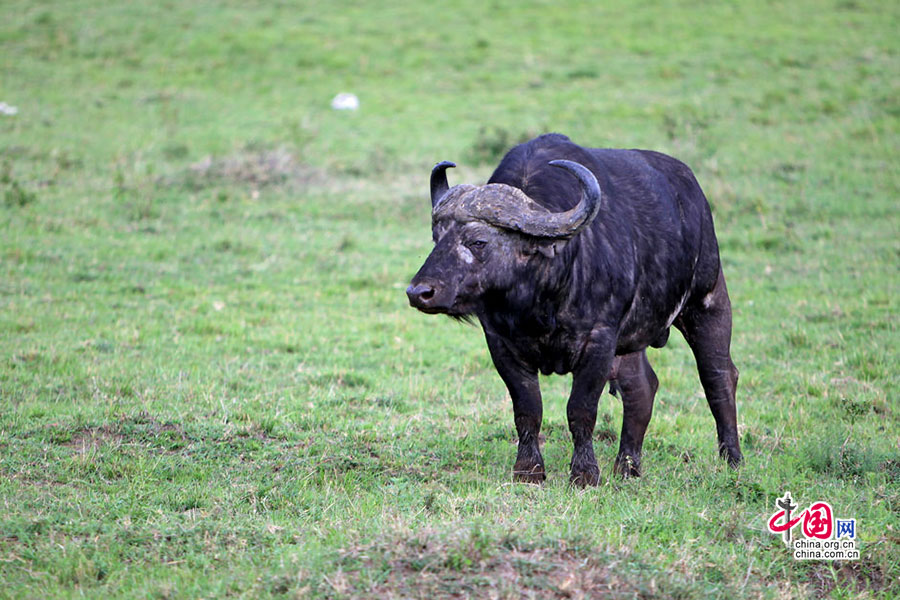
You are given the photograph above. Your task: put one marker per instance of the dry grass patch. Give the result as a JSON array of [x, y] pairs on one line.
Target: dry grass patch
[[251, 166]]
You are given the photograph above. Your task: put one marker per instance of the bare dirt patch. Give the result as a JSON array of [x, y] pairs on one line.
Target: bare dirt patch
[[92, 438], [144, 430], [511, 575], [858, 577], [141, 429], [438, 570]]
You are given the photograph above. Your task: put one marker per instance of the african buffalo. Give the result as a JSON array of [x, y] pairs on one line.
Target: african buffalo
[[574, 260]]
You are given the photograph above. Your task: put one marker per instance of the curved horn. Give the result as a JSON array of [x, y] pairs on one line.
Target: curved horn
[[439, 185], [510, 208], [567, 224]]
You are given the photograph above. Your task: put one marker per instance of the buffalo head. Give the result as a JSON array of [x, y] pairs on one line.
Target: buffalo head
[[487, 236]]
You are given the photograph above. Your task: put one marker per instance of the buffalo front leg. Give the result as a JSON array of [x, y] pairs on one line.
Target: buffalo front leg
[[587, 385], [529, 466], [525, 391], [706, 325], [638, 384]]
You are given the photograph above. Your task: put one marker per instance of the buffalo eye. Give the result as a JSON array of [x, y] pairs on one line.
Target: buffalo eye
[[477, 245]]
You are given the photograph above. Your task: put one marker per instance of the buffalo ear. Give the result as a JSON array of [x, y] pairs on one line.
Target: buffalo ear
[[550, 249]]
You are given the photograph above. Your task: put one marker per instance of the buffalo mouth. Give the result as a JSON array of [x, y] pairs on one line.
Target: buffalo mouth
[[438, 309], [432, 310]]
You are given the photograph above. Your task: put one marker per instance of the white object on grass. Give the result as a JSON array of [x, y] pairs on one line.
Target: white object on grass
[[345, 101]]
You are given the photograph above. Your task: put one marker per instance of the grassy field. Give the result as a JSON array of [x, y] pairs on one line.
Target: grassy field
[[211, 384]]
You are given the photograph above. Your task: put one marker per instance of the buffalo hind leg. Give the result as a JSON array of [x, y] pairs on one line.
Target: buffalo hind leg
[[706, 325], [637, 384]]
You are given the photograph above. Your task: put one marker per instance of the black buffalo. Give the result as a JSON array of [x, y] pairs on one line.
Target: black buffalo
[[574, 260]]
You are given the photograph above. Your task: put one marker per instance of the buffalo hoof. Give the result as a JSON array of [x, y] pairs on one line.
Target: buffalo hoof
[[732, 455], [584, 467], [627, 466], [585, 478], [584, 474], [529, 473]]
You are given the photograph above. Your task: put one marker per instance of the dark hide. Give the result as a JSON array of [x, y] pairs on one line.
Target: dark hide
[[590, 305]]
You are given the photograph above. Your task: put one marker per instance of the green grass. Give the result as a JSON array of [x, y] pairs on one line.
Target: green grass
[[211, 383]]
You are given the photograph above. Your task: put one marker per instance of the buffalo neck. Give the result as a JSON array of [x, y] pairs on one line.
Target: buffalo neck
[[533, 305]]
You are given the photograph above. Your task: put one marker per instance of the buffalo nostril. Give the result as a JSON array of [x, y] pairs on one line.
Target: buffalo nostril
[[420, 294]]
